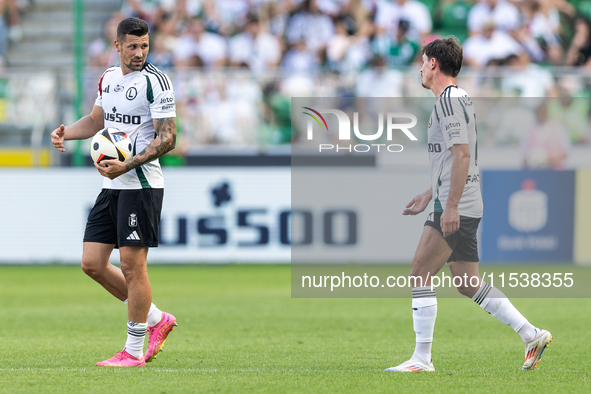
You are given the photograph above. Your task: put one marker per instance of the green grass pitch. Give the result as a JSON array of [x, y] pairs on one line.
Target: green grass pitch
[[239, 331]]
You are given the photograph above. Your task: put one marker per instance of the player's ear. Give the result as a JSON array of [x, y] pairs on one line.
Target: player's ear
[[117, 45]]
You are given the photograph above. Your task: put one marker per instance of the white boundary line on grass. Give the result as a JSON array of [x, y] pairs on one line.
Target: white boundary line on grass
[[177, 370]]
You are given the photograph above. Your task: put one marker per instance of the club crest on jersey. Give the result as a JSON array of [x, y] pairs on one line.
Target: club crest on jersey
[[133, 220], [131, 93], [119, 88]]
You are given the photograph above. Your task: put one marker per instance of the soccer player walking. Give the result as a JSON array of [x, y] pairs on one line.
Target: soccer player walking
[[449, 233], [137, 99]]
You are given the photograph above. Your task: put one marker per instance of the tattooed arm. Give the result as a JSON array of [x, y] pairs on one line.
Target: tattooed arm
[[165, 141]]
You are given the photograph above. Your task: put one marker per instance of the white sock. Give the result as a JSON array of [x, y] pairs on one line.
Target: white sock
[[154, 315], [136, 332], [424, 313], [528, 332], [498, 305]]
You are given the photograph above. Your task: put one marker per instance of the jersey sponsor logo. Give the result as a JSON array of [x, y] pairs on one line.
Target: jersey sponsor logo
[[131, 93], [454, 133], [166, 100], [434, 147], [452, 125], [106, 90], [119, 88], [168, 107], [473, 178], [123, 118]]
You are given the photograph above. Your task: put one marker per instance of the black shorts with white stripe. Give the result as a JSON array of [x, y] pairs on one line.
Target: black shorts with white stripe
[[125, 217]]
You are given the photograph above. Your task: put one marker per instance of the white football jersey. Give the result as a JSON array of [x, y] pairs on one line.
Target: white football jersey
[[130, 103], [453, 121]]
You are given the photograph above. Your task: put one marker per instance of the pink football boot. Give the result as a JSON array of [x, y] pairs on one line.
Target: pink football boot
[[157, 335], [122, 359]]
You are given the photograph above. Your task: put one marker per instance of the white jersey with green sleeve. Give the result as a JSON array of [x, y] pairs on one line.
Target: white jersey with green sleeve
[[453, 122], [130, 103]]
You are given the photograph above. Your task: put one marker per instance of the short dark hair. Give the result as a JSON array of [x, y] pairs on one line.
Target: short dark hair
[[448, 53], [133, 26], [252, 18]]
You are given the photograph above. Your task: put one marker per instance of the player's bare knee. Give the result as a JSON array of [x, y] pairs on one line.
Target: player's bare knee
[[132, 271], [127, 271], [91, 268]]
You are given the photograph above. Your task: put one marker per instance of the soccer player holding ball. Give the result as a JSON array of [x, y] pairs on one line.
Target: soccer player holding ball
[[137, 99], [449, 233]]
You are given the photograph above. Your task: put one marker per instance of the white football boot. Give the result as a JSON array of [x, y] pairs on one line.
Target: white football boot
[[535, 348], [412, 365]]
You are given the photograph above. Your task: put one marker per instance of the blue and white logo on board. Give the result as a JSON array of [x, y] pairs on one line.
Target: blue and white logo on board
[[528, 215], [528, 208]]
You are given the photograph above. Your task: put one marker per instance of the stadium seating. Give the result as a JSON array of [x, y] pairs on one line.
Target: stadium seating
[[47, 32]]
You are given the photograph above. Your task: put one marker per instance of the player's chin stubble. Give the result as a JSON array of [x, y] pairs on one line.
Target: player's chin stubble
[[133, 67]]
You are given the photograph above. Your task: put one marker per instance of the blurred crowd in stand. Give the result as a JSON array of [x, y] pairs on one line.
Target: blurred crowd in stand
[[10, 24], [235, 64], [348, 35]]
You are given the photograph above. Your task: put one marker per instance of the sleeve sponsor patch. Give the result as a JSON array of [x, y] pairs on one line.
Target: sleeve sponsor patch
[[164, 104], [453, 130]]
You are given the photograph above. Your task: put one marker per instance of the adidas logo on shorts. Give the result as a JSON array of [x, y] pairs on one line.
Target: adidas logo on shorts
[[133, 236]]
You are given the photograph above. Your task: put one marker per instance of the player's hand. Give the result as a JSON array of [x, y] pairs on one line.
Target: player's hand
[[450, 221], [417, 204], [57, 138], [111, 168]]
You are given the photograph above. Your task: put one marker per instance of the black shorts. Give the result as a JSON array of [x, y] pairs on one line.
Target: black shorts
[[463, 242], [125, 217]]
